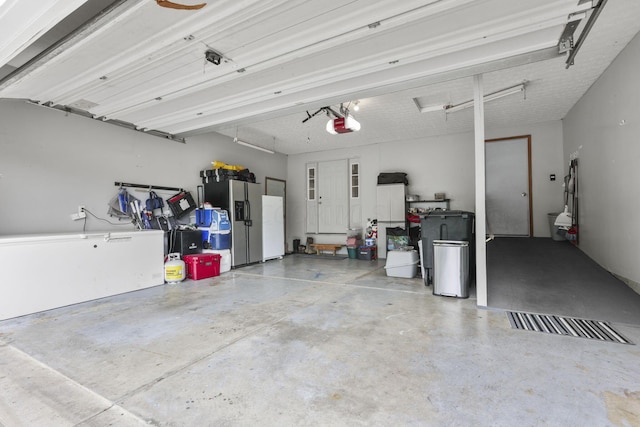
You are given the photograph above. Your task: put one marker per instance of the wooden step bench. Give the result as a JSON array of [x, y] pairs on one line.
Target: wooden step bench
[[325, 247]]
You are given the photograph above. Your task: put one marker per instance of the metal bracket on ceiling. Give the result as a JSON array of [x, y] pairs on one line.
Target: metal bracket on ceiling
[[573, 50], [82, 113], [566, 39], [328, 110]]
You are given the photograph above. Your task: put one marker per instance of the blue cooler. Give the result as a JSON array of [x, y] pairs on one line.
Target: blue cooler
[[217, 234], [204, 217], [220, 221], [214, 218], [220, 239]]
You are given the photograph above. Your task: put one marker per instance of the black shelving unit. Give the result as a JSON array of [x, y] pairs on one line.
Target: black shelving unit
[[445, 201]]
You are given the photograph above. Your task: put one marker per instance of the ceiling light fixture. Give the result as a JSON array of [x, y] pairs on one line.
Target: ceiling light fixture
[[356, 106], [431, 108], [212, 56], [489, 97], [255, 147]]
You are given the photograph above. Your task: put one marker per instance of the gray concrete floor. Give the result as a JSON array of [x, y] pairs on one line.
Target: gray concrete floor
[[305, 341], [541, 275]]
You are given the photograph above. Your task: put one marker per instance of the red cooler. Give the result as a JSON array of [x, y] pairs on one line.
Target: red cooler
[[202, 266]]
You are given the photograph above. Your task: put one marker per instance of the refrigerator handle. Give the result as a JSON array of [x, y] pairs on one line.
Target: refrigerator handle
[[247, 216]]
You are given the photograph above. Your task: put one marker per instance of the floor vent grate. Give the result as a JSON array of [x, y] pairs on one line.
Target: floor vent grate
[[559, 325]]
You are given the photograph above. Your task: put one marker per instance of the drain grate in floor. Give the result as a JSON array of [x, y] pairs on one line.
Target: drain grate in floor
[[559, 325]]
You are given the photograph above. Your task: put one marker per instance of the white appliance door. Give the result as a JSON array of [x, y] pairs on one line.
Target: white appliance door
[[238, 228], [272, 227]]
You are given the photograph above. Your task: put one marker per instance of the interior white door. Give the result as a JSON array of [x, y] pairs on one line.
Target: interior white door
[[508, 198], [333, 206]]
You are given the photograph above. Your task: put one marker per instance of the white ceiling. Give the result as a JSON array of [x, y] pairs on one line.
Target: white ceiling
[[143, 64]]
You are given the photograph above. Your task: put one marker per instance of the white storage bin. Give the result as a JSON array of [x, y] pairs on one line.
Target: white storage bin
[[402, 264], [225, 258]]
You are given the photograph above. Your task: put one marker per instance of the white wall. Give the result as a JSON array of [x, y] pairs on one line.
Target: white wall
[[604, 128], [435, 164], [51, 162]]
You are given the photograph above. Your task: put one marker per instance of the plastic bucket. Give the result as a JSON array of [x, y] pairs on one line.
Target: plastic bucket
[[353, 253], [556, 234]]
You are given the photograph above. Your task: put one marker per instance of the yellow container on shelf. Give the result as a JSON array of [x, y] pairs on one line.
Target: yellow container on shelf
[[216, 164]]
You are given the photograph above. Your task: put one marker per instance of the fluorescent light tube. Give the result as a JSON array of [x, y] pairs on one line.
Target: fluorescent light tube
[[255, 147], [489, 97]]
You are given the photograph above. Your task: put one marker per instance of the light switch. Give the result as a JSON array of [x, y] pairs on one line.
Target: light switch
[[552, 177]]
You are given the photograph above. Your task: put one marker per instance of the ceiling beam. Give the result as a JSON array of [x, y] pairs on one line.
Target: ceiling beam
[[465, 72]]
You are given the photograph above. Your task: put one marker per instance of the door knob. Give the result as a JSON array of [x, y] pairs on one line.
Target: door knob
[[524, 194]]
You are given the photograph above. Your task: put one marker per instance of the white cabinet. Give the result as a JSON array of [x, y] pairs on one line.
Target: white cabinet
[[390, 211], [391, 202]]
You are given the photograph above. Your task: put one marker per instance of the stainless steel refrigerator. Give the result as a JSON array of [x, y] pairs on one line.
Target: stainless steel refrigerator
[[243, 201]]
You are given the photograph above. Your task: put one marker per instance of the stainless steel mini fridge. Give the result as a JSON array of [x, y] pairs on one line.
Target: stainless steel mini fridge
[[451, 268]]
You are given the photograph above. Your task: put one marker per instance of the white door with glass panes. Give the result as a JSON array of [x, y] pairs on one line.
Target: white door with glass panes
[[333, 197], [333, 194]]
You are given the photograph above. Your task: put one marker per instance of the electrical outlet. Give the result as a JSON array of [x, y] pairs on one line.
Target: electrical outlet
[[81, 214]]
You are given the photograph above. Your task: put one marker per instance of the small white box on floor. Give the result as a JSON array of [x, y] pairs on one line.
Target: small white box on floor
[[402, 264], [225, 258]]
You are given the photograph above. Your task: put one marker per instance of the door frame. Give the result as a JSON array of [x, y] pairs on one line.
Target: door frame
[[528, 138]]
